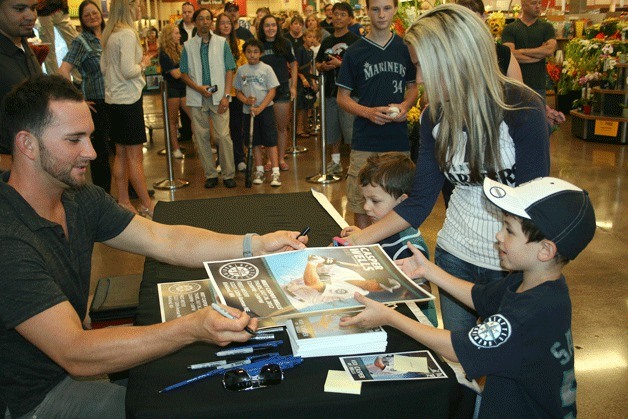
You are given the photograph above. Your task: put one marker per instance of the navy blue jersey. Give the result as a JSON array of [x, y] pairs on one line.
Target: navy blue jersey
[[378, 76], [524, 347], [279, 63]]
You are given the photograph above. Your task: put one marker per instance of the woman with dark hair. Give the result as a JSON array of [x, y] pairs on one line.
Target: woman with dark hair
[[278, 54], [224, 28], [84, 54]]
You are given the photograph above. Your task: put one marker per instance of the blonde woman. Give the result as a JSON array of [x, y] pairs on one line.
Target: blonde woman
[[122, 65], [169, 57], [478, 124]]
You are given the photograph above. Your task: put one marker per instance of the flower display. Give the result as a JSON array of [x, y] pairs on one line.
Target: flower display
[[496, 22], [593, 59], [407, 12]]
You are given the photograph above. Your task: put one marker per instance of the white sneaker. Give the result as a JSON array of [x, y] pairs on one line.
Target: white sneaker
[[334, 168], [274, 180], [241, 166], [258, 178], [177, 154]]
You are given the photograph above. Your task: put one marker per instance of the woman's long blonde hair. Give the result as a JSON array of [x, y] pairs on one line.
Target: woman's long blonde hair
[[464, 86], [120, 17], [168, 45]]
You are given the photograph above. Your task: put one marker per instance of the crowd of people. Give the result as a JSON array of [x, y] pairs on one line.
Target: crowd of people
[[484, 131]]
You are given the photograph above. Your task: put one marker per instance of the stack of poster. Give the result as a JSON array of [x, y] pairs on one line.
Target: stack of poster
[[321, 335], [310, 281]]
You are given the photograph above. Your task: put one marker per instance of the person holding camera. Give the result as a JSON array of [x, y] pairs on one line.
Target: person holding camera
[[207, 67], [338, 123]]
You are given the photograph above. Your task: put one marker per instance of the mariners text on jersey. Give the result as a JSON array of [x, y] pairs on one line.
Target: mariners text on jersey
[[371, 70]]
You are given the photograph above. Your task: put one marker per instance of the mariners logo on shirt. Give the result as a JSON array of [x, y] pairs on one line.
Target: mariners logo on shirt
[[494, 331], [239, 271]]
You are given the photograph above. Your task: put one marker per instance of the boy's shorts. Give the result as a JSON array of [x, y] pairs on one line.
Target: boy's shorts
[[264, 128], [355, 199], [338, 123]]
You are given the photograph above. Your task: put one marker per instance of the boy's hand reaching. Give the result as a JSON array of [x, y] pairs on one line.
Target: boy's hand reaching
[[416, 266], [347, 231], [374, 314]]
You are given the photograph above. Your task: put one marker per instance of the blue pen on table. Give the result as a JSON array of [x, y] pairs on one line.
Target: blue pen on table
[[228, 315], [304, 232], [250, 348], [224, 364]]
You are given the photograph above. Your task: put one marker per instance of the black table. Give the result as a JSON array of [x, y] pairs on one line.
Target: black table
[[301, 394]]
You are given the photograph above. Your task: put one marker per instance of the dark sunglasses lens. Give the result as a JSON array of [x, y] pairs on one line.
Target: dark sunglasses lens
[[237, 380], [270, 375]]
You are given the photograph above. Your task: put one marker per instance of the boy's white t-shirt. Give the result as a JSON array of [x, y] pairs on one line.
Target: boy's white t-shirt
[[255, 80]]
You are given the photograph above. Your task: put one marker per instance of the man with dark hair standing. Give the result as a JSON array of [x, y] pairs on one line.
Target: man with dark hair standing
[[51, 220], [207, 68], [338, 122], [17, 60], [187, 28], [328, 22], [233, 11], [531, 41]]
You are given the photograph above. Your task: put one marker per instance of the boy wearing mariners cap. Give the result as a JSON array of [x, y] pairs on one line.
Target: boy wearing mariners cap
[[523, 345]]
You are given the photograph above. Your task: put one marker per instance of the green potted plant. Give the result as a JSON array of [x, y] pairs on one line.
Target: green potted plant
[[584, 105]]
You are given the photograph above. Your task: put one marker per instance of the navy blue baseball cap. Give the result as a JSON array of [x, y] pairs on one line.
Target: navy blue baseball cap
[[560, 210]]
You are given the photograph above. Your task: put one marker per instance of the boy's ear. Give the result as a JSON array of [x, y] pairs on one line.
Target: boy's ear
[[402, 198], [547, 250]]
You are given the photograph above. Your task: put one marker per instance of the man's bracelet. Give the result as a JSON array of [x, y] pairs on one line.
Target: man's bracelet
[[247, 244]]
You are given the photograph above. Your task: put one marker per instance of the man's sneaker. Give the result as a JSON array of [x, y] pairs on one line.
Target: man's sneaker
[[258, 178], [241, 167], [274, 180], [334, 168]]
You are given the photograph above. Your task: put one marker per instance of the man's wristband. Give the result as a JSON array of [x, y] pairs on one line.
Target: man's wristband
[[247, 244]]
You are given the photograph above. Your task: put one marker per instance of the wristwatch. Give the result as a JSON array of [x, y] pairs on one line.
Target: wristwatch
[[228, 96]]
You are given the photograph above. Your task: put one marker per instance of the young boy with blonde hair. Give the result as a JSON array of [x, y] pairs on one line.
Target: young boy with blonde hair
[[385, 181]]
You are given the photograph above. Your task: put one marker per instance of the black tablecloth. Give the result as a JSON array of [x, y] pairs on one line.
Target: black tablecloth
[[301, 394]]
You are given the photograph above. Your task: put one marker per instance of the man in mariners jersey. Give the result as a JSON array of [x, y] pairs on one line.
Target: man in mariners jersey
[[523, 344], [376, 68]]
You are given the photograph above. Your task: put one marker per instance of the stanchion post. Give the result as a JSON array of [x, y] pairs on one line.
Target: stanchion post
[[169, 183], [323, 177], [295, 149]]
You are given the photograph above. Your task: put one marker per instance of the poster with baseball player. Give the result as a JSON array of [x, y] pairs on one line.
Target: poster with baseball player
[[310, 281]]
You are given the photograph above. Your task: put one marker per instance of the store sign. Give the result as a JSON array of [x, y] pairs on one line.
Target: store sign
[[606, 128]]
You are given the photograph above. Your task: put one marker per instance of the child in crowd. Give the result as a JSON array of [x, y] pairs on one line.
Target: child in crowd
[[385, 181], [307, 87], [524, 345], [256, 84]]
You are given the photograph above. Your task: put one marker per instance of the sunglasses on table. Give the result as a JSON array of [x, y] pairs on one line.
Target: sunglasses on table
[[240, 380]]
